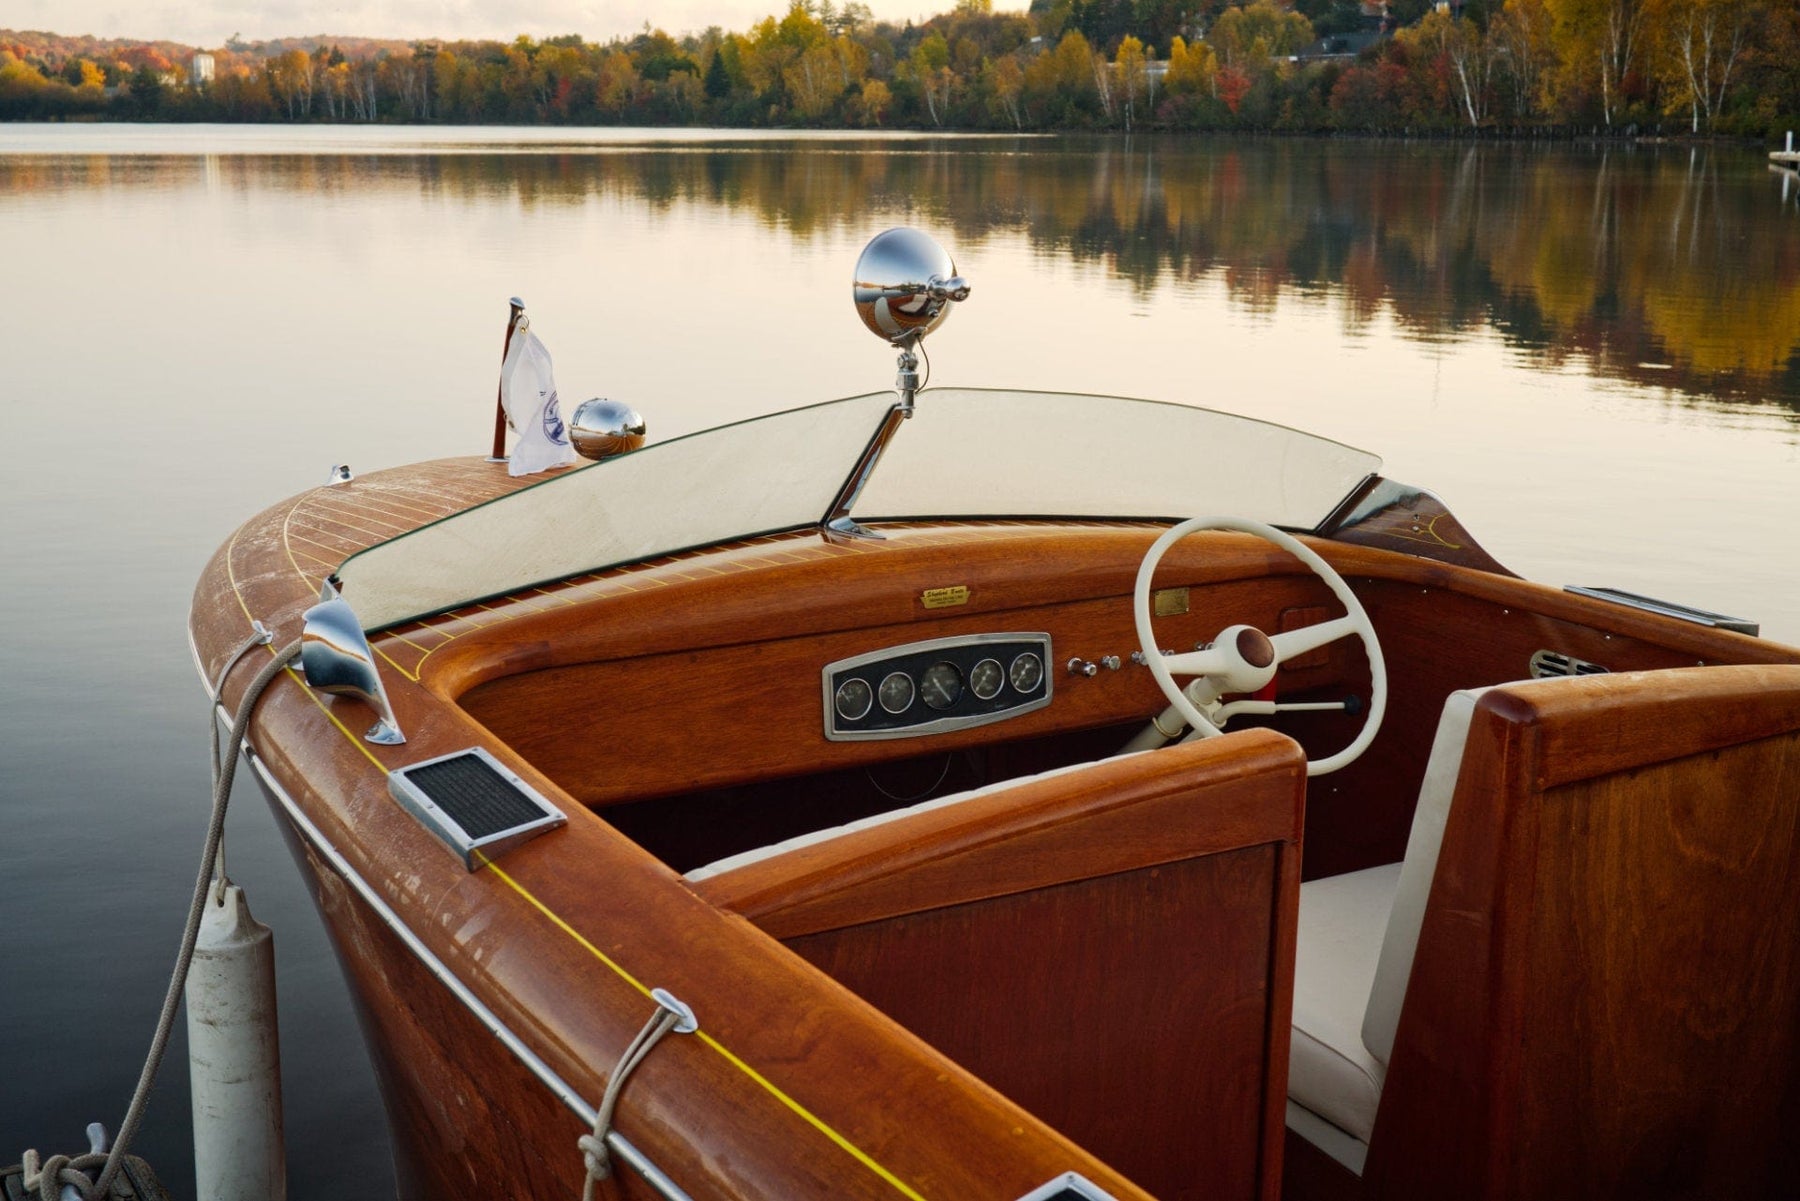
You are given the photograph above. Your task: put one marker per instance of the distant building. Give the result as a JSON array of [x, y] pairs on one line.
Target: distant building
[[1338, 45], [200, 70]]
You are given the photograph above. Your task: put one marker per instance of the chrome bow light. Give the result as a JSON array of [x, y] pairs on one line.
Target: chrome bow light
[[601, 428], [336, 657]]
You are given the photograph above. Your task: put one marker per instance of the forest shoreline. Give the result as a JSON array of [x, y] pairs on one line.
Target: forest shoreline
[[1561, 135]]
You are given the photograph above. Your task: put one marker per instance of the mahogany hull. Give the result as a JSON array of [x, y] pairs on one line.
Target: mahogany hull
[[496, 1003]]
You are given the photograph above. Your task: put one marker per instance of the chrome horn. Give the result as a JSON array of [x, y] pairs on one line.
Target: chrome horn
[[337, 658]]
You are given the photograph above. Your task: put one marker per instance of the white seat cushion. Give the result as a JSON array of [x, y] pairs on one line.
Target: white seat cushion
[[1353, 1153], [1330, 1071]]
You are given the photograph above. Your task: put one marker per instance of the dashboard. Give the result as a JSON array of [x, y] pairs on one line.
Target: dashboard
[[937, 685]]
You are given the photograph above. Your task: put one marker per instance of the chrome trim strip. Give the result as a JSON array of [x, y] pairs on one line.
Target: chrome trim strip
[[1663, 608], [546, 1075], [200, 669]]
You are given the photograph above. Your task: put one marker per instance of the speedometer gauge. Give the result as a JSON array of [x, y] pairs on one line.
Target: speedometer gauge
[[941, 686]]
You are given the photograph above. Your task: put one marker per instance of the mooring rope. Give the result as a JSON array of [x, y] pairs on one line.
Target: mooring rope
[[49, 1176], [260, 636], [594, 1151]]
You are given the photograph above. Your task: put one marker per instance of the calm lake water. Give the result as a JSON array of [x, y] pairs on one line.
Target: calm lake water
[[1592, 354]]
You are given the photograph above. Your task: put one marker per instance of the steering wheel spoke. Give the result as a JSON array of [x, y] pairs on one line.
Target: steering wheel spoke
[[1242, 659], [1256, 708], [1293, 643]]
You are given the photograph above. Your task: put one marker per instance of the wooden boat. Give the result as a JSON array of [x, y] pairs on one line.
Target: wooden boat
[[853, 804]]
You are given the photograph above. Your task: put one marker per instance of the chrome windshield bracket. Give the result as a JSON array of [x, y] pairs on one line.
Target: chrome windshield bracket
[[837, 522], [843, 527]]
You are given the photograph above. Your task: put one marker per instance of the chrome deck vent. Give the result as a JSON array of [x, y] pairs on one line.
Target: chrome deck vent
[[1070, 1186], [479, 808], [1548, 664]]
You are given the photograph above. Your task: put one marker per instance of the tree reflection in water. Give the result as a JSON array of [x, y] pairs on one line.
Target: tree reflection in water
[[1673, 267]]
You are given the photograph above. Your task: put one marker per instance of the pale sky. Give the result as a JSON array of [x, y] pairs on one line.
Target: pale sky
[[210, 22]]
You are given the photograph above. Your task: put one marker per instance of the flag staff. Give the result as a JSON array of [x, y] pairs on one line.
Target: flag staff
[[512, 322]]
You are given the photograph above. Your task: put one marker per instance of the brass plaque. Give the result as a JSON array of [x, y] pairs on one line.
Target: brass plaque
[[1167, 602], [944, 598]]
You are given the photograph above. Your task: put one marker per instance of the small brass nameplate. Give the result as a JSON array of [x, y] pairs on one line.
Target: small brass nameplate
[[944, 598], [1167, 602]]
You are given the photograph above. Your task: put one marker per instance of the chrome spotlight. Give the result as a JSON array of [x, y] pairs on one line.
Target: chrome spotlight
[[602, 428], [904, 285]]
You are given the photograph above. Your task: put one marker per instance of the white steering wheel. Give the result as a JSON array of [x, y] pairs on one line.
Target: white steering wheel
[[1242, 659]]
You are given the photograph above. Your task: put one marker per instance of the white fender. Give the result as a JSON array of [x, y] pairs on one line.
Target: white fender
[[234, 1058]]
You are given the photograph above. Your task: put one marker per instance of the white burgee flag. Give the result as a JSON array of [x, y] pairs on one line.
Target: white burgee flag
[[528, 390]]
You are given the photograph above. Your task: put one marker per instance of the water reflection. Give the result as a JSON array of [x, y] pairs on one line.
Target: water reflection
[[1674, 268], [249, 318]]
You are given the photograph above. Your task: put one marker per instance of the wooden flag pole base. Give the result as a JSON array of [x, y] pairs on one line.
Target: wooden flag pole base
[[498, 455]]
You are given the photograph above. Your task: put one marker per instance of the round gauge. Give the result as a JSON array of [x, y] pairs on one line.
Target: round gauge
[[1026, 673], [986, 679], [854, 696], [941, 685], [897, 692]]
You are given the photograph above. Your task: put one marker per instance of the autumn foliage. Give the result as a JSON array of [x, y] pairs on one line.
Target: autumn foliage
[[1625, 66]]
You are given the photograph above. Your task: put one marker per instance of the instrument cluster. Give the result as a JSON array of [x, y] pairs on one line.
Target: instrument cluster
[[934, 686]]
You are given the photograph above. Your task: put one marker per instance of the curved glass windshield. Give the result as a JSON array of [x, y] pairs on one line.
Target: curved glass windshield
[[964, 453], [978, 453]]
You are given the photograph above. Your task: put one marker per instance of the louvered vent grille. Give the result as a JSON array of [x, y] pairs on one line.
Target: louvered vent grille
[[1546, 664], [473, 795], [474, 804]]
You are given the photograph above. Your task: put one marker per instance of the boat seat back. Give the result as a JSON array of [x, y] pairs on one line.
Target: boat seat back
[[1400, 939], [1354, 951]]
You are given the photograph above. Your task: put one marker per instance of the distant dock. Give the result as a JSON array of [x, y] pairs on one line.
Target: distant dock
[[1786, 163]]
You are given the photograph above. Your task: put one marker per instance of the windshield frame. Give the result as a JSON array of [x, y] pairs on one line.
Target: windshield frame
[[961, 456]]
